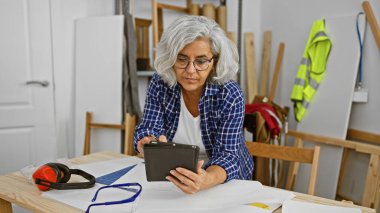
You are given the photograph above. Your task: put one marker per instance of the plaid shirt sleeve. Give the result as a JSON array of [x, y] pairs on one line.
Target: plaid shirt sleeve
[[227, 149], [152, 120]]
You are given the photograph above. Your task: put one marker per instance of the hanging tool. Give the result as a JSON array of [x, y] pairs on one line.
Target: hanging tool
[[360, 92]]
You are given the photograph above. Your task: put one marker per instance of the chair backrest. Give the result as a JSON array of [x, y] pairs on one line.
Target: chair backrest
[[128, 127], [292, 154]]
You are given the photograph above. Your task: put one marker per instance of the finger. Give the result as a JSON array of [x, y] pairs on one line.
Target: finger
[[162, 138], [180, 185], [141, 143], [185, 173], [199, 166], [182, 177]]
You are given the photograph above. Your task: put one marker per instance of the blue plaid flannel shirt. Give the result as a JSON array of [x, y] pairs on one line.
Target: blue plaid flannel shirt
[[222, 113]]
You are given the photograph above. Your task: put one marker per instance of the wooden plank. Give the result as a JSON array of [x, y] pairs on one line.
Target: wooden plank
[[143, 22], [189, 3], [342, 172], [372, 22], [155, 24], [232, 36], [293, 167], [357, 146], [377, 194], [363, 136], [130, 124], [281, 152], [138, 42], [172, 7], [250, 67], [5, 206], [87, 136], [280, 56], [221, 17], [145, 42], [160, 20], [314, 171], [16, 189], [321, 139], [208, 10], [195, 10], [371, 190], [265, 64], [107, 126]]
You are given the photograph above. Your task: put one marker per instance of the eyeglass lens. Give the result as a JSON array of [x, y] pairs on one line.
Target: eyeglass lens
[[200, 64]]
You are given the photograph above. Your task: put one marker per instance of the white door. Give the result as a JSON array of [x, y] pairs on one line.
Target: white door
[[27, 131]]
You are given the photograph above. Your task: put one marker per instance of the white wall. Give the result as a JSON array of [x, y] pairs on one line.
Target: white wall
[[64, 13]]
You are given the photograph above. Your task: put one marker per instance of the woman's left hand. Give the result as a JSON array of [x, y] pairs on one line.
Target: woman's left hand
[[190, 182]]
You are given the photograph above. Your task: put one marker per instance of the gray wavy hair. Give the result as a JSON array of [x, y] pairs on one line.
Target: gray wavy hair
[[187, 29]]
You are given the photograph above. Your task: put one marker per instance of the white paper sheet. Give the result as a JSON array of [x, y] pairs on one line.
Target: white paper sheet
[[291, 206], [233, 196]]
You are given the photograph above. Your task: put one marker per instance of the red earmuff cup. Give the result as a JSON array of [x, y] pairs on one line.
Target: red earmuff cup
[[45, 173]]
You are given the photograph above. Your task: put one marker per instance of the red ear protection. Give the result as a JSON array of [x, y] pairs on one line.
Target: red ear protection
[[56, 175]]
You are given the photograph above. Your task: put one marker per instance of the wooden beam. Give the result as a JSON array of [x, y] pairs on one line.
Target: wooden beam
[[130, 125], [87, 136], [143, 22], [160, 21], [280, 56], [208, 10], [221, 17], [293, 168], [5, 206], [232, 37], [314, 171], [281, 152], [363, 136], [265, 63], [342, 171], [189, 3], [172, 7], [107, 126], [372, 22], [155, 24], [195, 10], [357, 146], [372, 184], [250, 66]]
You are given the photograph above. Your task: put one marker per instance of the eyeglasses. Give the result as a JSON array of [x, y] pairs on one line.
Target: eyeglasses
[[200, 64], [120, 186]]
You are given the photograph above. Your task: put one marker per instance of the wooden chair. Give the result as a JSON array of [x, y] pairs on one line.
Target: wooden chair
[[128, 127], [293, 154]]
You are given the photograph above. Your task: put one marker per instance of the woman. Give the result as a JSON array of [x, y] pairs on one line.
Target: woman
[[193, 99]]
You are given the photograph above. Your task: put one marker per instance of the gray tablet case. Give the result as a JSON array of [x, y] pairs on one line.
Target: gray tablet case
[[162, 157]]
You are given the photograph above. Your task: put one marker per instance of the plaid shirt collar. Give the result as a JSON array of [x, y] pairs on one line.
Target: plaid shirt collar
[[211, 89]]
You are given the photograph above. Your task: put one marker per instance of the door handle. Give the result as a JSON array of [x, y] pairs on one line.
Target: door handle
[[42, 83]]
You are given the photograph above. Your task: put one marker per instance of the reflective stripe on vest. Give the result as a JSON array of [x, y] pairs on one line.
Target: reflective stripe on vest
[[312, 69]]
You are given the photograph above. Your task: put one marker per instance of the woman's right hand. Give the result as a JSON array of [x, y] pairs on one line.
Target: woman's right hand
[[148, 139]]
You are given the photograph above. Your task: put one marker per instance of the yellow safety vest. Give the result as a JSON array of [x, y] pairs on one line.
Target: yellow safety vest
[[312, 68]]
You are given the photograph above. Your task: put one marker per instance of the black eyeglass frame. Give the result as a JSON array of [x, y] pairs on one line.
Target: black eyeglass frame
[[198, 70]]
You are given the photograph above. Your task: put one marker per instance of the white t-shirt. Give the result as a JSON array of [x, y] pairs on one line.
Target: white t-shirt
[[189, 131]]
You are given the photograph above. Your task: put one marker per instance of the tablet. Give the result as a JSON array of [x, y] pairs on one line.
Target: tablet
[[161, 157]]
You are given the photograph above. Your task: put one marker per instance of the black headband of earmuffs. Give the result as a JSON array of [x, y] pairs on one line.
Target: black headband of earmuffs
[[79, 185]]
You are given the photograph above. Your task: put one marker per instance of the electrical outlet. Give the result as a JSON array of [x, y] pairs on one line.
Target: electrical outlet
[[360, 95]]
